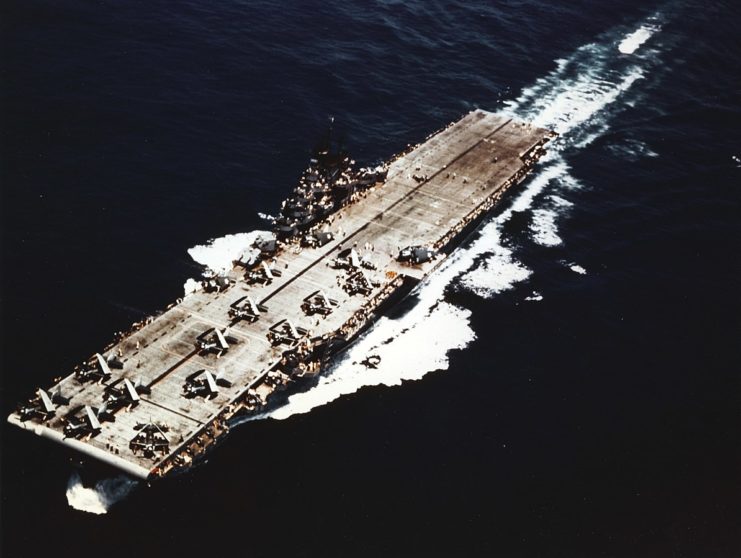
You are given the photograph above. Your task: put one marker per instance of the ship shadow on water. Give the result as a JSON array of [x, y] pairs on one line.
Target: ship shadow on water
[[404, 303]]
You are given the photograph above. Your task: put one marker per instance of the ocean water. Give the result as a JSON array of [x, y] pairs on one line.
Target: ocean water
[[566, 385]]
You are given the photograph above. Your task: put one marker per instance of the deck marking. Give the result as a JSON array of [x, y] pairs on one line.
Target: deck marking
[[173, 411], [182, 361]]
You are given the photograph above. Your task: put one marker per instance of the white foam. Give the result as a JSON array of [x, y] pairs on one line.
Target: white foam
[[558, 201], [633, 40], [645, 150], [219, 254], [632, 150], [573, 102], [573, 97], [191, 286], [536, 296], [545, 228], [499, 272], [578, 269], [99, 499], [420, 344], [266, 217], [544, 224]]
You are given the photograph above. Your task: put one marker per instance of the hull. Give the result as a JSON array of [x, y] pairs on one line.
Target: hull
[[349, 245]]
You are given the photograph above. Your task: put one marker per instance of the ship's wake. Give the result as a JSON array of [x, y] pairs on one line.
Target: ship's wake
[[578, 99], [98, 499]]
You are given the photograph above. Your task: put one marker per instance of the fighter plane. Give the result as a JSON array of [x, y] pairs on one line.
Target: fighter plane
[[100, 371], [417, 254], [204, 383], [347, 259], [318, 303], [285, 332], [123, 393], [42, 406], [82, 426], [263, 274], [267, 247], [359, 283], [246, 309], [150, 439], [216, 283], [350, 260], [214, 341]]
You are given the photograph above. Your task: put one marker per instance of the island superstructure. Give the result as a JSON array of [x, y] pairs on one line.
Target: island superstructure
[[347, 243]]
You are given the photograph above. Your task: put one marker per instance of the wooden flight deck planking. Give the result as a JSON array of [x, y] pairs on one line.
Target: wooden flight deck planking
[[428, 192]]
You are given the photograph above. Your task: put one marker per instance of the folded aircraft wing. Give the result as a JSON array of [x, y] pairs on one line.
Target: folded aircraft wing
[[268, 273], [294, 333], [46, 401], [222, 341], [253, 307], [354, 260], [212, 387], [133, 395], [104, 368], [92, 419]]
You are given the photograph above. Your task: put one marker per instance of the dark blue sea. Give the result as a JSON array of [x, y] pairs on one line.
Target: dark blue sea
[[568, 385]]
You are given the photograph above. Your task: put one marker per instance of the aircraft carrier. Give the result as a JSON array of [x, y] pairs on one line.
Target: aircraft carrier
[[347, 243]]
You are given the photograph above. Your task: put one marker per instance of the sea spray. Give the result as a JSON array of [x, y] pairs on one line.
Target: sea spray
[[632, 41], [219, 255], [98, 499]]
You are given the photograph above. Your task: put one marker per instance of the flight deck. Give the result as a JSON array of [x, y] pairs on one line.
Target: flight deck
[[164, 392]]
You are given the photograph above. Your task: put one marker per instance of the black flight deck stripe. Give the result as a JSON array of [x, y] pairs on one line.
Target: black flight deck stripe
[[182, 361]]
